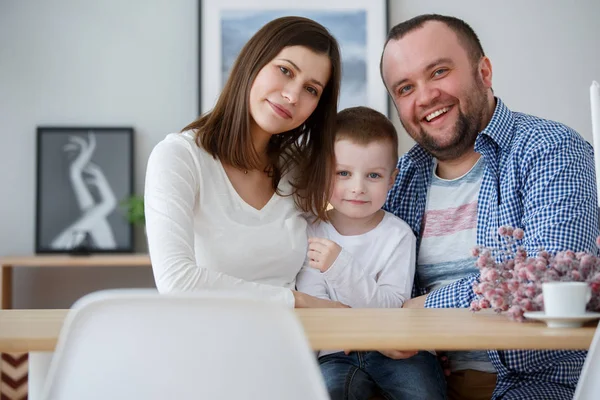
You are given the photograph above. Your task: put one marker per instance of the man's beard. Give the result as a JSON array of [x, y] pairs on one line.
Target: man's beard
[[464, 133]]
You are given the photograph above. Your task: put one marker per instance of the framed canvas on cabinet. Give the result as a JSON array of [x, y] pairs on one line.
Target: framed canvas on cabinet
[[83, 174]]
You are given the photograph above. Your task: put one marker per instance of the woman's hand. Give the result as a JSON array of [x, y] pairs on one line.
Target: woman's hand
[[303, 300]]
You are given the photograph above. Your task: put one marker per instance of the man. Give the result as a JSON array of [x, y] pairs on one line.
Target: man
[[478, 166]]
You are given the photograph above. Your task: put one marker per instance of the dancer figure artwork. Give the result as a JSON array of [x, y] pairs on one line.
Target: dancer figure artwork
[[83, 174]]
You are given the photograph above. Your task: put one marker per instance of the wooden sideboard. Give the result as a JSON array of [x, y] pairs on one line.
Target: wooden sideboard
[[14, 381], [7, 264]]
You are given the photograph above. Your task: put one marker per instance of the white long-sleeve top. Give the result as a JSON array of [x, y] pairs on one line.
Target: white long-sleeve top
[[203, 235], [373, 270]]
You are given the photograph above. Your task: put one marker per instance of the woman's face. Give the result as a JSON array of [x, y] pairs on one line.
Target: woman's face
[[287, 89]]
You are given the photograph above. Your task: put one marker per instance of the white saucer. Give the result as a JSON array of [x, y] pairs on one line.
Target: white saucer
[[571, 321]]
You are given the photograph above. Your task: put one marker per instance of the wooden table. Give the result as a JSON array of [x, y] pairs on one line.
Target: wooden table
[[109, 260], [37, 331], [357, 329]]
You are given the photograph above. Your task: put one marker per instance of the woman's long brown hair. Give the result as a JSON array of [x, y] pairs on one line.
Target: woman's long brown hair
[[224, 132]]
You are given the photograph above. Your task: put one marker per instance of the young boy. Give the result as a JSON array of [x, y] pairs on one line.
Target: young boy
[[365, 257]]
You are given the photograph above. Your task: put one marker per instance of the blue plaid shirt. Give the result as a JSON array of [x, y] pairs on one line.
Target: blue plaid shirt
[[539, 176]]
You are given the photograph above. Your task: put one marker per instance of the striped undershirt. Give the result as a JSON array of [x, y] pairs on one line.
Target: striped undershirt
[[448, 234]]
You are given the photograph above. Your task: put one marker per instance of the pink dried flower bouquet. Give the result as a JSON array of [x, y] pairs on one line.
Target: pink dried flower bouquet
[[511, 281]]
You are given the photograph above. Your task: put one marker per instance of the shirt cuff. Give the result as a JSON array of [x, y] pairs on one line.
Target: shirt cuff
[[288, 298], [338, 267]]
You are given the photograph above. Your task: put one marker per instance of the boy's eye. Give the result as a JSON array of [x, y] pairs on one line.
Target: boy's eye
[[343, 173], [374, 175]]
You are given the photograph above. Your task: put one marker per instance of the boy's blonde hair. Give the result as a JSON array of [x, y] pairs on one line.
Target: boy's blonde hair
[[363, 125]]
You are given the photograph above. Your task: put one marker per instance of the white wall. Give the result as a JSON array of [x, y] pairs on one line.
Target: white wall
[[112, 62], [91, 63]]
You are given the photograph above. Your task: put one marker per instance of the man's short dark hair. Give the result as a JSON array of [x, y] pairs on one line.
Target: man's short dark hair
[[466, 35], [364, 125]]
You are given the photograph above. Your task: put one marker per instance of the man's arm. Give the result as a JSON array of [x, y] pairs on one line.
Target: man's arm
[[560, 209], [458, 294]]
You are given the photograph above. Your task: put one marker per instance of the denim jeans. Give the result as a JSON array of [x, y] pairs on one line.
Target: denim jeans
[[361, 375]]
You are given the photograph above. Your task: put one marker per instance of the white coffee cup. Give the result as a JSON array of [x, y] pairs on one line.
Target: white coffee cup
[[565, 299]]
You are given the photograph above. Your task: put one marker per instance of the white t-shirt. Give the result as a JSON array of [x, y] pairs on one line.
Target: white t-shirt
[[203, 235], [449, 234], [373, 270]]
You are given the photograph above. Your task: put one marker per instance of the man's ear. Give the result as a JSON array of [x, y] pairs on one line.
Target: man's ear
[[393, 179], [485, 71]]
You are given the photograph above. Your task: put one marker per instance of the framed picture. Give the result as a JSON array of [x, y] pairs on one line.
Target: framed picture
[[360, 26], [83, 174]]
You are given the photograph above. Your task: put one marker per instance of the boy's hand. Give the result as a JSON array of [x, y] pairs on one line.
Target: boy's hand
[[415, 302], [322, 253], [393, 354], [443, 359], [398, 354]]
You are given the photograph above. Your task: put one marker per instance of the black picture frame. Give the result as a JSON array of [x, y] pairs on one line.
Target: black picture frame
[[83, 174], [207, 39]]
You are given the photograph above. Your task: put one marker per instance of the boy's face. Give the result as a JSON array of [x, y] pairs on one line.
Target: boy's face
[[364, 175]]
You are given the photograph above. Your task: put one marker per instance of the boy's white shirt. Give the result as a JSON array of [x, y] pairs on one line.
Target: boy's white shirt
[[373, 270]]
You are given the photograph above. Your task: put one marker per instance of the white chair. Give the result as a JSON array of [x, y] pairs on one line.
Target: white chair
[[137, 344], [588, 386]]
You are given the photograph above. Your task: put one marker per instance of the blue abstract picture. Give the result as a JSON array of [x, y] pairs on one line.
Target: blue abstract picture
[[349, 27]]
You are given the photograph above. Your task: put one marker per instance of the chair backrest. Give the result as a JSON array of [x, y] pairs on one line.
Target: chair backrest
[[588, 386], [137, 344]]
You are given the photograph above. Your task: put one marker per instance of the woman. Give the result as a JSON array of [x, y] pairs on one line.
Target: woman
[[224, 199]]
